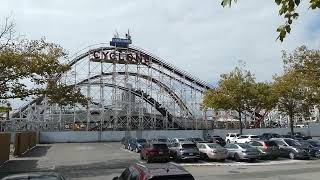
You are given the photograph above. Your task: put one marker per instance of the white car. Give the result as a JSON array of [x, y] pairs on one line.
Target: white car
[[177, 140], [246, 138], [232, 137]]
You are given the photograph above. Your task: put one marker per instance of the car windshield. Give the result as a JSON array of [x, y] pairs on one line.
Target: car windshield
[[275, 135], [243, 136], [181, 139], [214, 146], [256, 137], [173, 177], [162, 140], [291, 142], [141, 140], [160, 146], [246, 146], [189, 146]]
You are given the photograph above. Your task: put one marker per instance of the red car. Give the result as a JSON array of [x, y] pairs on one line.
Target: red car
[[155, 152], [155, 171]]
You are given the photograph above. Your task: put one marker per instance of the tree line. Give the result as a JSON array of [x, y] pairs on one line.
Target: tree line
[[294, 93]]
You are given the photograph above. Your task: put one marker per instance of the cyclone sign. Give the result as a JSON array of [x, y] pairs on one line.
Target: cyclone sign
[[123, 57]]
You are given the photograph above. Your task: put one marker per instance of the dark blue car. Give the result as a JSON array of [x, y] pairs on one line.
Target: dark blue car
[[136, 144], [313, 146]]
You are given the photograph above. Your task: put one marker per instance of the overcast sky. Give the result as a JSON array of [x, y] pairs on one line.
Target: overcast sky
[[201, 38]]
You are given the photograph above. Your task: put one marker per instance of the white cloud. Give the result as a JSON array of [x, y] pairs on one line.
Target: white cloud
[[200, 37]]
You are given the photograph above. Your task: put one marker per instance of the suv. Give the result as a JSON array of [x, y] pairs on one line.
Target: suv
[[136, 144], [155, 172], [290, 148], [267, 136], [161, 140], [195, 140], [185, 150], [215, 139], [268, 149], [299, 136], [246, 138], [155, 151], [231, 137]]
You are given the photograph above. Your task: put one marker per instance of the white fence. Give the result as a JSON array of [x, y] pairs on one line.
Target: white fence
[[96, 136]]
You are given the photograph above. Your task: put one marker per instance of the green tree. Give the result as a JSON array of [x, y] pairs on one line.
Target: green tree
[[32, 67], [307, 62], [234, 92], [263, 99], [293, 95], [288, 9]]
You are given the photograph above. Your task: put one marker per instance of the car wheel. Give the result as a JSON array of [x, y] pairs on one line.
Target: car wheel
[[141, 157], [236, 157], [235, 142], [228, 141], [291, 155]]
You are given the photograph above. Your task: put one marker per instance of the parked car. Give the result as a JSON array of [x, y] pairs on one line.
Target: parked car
[[35, 175], [291, 149], [136, 144], [195, 140], [213, 151], [311, 147], [267, 136], [231, 137], [161, 140], [268, 149], [242, 152], [315, 144], [155, 172], [246, 138], [125, 141], [299, 135], [177, 140], [215, 139], [155, 151], [186, 150]]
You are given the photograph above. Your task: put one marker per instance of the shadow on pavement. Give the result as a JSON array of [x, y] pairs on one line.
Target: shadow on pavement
[[38, 151], [18, 166], [95, 169]]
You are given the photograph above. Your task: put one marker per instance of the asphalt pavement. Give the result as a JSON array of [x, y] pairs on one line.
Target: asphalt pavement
[[106, 160]]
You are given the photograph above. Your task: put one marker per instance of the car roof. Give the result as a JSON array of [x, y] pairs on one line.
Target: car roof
[[158, 143], [280, 139], [162, 169], [186, 142]]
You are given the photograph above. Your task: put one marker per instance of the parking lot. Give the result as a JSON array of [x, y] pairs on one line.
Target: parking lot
[[106, 160]]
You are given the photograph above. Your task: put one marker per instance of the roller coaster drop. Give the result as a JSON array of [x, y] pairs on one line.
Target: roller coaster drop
[[129, 89]]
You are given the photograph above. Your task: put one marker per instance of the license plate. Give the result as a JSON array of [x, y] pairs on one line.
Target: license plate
[[191, 154], [160, 152]]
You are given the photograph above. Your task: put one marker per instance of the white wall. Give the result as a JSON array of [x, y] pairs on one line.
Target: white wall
[[95, 136]]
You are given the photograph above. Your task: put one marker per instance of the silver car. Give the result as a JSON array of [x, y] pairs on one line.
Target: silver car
[[185, 150], [212, 151], [242, 152]]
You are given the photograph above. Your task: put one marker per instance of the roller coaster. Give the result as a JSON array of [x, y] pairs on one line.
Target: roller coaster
[[129, 88]]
